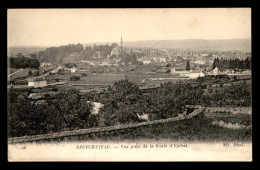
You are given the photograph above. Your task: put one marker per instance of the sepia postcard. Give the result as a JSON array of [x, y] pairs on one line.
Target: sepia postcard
[[127, 84]]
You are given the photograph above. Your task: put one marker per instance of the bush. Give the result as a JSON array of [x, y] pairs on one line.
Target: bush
[[70, 65], [74, 78], [36, 73], [222, 77], [84, 74]]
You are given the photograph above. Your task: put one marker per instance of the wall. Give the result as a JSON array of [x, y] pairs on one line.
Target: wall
[[30, 83], [38, 83]]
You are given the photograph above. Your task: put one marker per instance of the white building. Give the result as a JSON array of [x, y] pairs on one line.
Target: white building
[[105, 63], [40, 83], [115, 50], [74, 69], [200, 61], [194, 75], [44, 64], [147, 61], [84, 61], [215, 71], [162, 60], [177, 70], [56, 69]]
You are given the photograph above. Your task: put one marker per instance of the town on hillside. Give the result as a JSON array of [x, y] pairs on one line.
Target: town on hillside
[[128, 83]]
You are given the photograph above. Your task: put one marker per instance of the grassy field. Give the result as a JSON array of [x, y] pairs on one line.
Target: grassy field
[[12, 70]]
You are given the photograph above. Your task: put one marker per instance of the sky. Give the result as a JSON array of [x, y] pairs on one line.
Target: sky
[[54, 27]]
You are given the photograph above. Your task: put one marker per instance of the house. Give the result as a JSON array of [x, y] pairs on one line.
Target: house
[[195, 74], [105, 63], [73, 58], [115, 50], [84, 61], [88, 62], [147, 61], [200, 61], [37, 83], [97, 54], [55, 70], [162, 60], [215, 71], [162, 70], [74, 69], [117, 60], [45, 64], [179, 70], [204, 55]]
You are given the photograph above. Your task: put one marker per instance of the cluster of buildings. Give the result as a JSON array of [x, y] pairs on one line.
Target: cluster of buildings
[[192, 74]]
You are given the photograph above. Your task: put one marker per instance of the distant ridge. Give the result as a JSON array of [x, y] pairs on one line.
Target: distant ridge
[[189, 44], [194, 44]]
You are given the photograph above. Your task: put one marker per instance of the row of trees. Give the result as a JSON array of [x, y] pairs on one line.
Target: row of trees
[[234, 64], [104, 50], [57, 54], [24, 62]]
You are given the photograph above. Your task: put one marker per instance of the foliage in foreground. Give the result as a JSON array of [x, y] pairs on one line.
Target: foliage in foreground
[[67, 112], [123, 102]]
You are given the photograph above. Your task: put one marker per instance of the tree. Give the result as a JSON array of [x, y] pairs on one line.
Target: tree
[[30, 72], [57, 54], [24, 62], [247, 63], [114, 45], [70, 65], [25, 118], [188, 66], [33, 56], [120, 103], [34, 63], [168, 65], [74, 78], [73, 108]]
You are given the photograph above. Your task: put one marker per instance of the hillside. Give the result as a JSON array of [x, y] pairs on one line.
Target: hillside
[[26, 49], [195, 44]]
